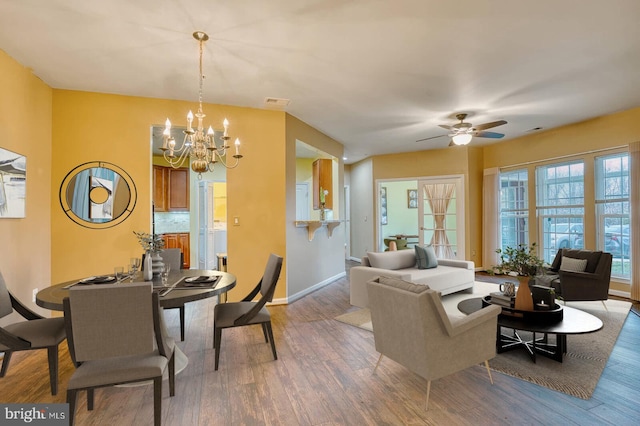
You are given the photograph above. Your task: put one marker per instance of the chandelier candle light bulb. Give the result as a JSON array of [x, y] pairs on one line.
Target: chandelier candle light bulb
[[198, 146]]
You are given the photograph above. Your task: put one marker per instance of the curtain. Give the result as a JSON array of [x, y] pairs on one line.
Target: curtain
[[439, 196], [634, 235], [490, 217]]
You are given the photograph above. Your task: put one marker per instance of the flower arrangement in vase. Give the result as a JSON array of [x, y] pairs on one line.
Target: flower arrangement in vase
[[323, 194], [152, 244], [522, 261]]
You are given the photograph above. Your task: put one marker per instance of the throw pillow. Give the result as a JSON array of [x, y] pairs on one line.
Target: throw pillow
[[426, 257], [403, 285], [393, 260], [569, 264]]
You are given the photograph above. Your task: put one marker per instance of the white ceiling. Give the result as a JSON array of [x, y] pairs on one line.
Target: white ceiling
[[375, 75]]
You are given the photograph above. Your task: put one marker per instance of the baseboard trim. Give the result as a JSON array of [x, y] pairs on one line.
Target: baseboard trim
[[625, 294], [300, 295]]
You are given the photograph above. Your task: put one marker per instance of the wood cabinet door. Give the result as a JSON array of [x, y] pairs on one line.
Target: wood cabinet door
[[322, 178], [160, 188], [170, 241], [183, 243], [178, 189]]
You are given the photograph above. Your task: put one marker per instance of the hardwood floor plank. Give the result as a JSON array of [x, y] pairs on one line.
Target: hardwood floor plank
[[324, 376]]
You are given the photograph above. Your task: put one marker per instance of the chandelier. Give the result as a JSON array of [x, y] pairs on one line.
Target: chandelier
[[199, 146]]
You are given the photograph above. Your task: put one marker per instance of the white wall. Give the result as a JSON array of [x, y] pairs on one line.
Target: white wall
[[362, 209]]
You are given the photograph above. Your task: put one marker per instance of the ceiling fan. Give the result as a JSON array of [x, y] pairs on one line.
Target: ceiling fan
[[462, 133]]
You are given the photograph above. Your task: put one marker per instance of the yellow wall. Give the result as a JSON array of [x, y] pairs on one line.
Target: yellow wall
[[116, 129], [25, 126]]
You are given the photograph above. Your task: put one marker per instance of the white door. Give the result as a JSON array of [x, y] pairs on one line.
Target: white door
[[206, 232], [441, 207], [302, 201]]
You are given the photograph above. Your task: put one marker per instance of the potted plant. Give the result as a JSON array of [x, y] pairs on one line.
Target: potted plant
[[521, 261], [152, 244]]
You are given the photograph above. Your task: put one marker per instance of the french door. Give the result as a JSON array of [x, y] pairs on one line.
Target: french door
[[441, 209]]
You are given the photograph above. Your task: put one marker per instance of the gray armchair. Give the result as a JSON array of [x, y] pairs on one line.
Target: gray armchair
[[35, 333], [411, 327], [592, 284], [116, 335]]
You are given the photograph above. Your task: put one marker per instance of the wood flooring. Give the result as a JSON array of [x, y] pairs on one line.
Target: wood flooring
[[323, 376]]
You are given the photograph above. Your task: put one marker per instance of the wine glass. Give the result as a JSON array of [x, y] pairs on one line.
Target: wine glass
[[134, 265], [164, 274]]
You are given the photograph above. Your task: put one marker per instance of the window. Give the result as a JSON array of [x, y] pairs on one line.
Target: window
[[560, 207], [514, 208], [612, 210]]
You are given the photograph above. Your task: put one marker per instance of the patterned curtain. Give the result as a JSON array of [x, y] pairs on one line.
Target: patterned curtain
[[439, 196]]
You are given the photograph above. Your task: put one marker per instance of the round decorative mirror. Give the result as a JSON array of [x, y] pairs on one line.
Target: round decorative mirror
[[98, 195]]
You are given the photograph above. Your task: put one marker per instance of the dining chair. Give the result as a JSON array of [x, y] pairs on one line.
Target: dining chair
[[174, 257], [247, 311], [37, 332], [116, 335]]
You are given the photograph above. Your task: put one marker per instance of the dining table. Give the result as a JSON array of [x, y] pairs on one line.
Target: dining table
[[174, 293]]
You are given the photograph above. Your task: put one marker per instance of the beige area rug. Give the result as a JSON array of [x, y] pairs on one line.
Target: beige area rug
[[583, 364]]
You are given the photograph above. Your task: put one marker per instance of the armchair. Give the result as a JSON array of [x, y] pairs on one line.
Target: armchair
[[411, 327], [590, 284]]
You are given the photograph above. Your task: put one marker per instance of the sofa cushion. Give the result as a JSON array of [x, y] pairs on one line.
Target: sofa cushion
[[426, 257], [401, 284], [571, 264], [392, 259]]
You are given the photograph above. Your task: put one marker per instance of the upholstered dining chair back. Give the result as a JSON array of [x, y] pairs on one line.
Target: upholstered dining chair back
[[270, 277], [36, 332], [172, 256], [116, 336], [111, 320], [411, 326], [248, 311], [5, 299]]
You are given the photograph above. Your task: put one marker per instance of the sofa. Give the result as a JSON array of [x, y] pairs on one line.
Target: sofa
[[449, 276]]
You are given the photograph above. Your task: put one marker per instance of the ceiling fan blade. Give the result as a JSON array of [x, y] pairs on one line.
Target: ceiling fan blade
[[492, 135], [444, 126], [490, 125], [432, 137]]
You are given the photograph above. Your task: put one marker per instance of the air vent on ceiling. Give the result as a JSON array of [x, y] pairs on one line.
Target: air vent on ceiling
[[276, 102]]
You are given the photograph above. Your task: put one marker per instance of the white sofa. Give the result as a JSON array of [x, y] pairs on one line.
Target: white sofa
[[449, 276]]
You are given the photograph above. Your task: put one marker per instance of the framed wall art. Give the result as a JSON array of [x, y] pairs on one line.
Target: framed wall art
[[13, 184], [383, 205], [412, 198]]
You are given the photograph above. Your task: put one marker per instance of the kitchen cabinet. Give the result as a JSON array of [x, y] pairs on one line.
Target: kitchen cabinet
[[170, 189], [179, 240], [322, 178]]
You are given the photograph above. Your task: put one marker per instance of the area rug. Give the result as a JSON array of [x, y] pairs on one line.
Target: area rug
[[583, 364]]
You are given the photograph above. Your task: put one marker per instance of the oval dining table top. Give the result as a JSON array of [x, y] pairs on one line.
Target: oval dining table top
[[172, 295]]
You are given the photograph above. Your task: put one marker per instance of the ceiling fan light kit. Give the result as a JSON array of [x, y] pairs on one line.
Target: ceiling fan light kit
[[461, 133], [462, 138]]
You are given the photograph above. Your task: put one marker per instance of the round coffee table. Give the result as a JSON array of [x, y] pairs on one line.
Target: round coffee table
[[574, 321]]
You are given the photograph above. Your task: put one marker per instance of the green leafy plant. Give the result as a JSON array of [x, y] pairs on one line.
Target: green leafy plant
[[152, 243], [522, 260]]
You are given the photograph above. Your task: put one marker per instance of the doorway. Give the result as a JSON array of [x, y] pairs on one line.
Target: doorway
[[423, 211], [212, 223]]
